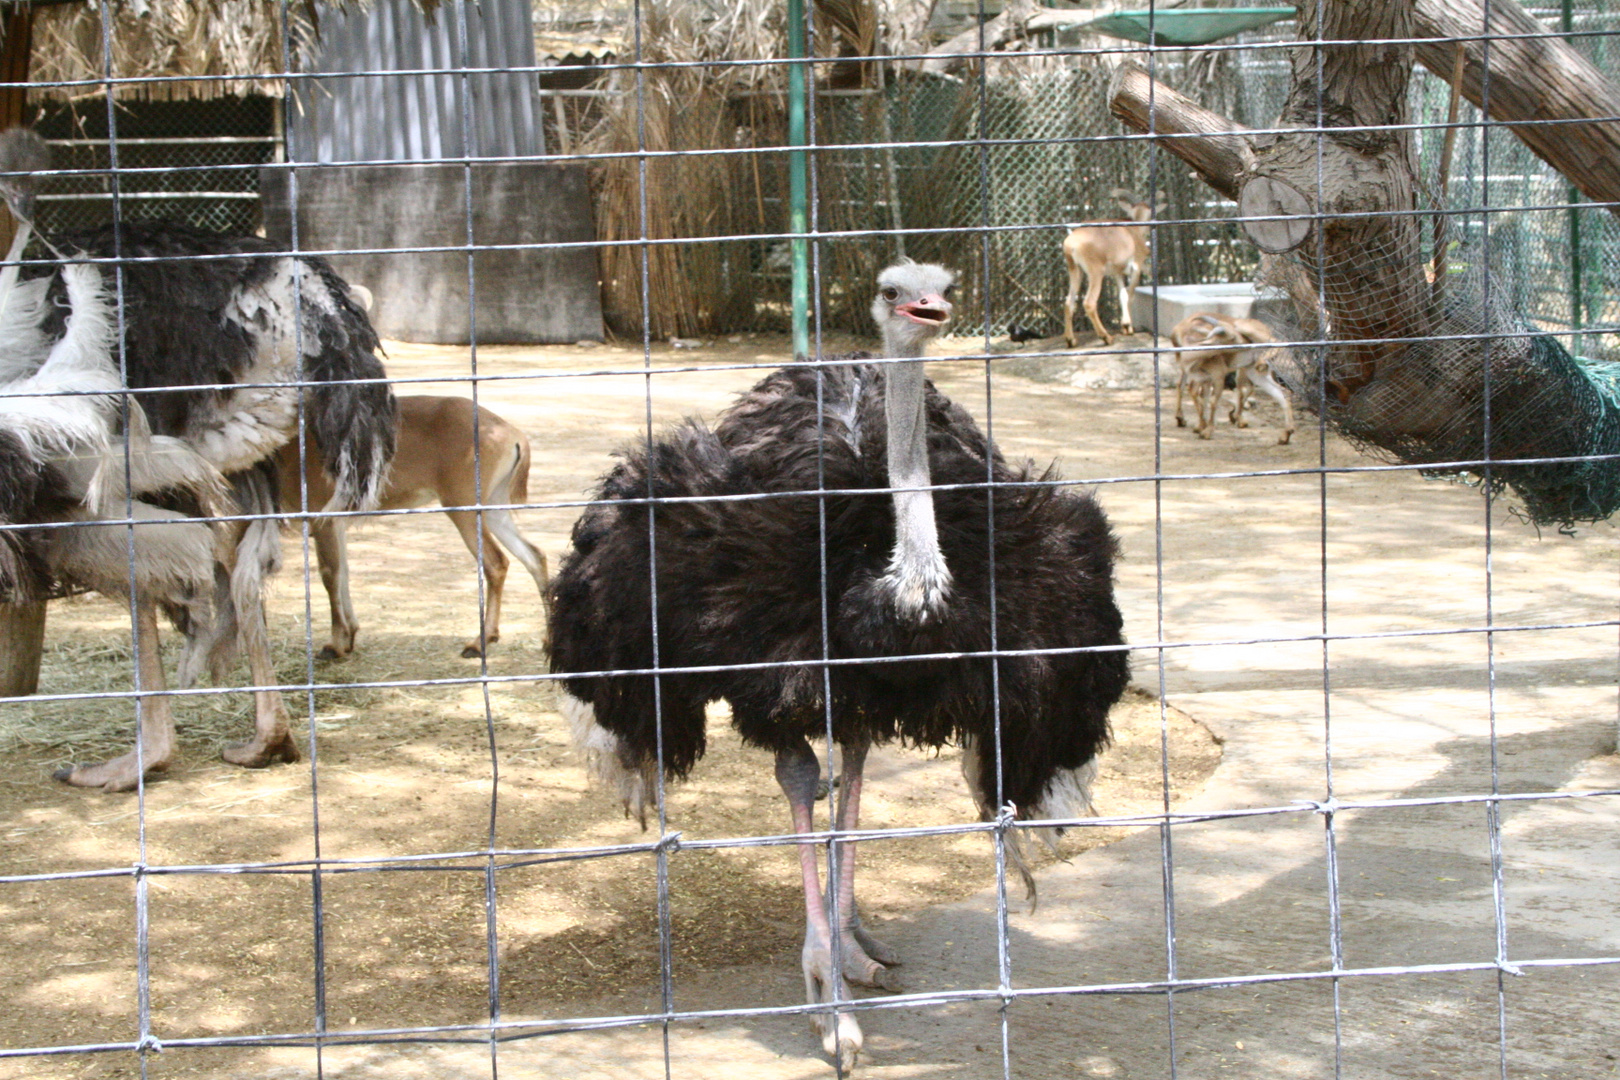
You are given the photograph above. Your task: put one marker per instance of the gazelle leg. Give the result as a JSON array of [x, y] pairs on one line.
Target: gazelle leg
[[1262, 379], [1127, 286], [1211, 398], [332, 559], [1069, 300], [1094, 283], [495, 566]]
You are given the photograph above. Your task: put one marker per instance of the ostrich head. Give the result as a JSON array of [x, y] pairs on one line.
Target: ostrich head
[[22, 153], [912, 306]]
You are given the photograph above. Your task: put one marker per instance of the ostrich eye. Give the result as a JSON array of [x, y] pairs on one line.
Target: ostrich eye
[[890, 293], [948, 292]]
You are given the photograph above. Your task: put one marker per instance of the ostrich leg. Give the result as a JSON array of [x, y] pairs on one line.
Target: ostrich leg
[[154, 721], [272, 741], [865, 959], [797, 771]]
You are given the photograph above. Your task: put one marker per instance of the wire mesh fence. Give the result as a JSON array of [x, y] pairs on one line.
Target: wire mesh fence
[[1357, 817]]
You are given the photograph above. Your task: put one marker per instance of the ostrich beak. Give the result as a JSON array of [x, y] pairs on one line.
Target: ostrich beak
[[930, 310]]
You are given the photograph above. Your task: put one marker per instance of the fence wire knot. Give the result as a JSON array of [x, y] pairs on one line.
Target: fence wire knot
[[1327, 806], [1006, 818], [1510, 968], [670, 843], [149, 1044]]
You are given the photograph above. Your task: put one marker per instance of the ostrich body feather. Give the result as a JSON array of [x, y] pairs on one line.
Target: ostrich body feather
[[740, 582]]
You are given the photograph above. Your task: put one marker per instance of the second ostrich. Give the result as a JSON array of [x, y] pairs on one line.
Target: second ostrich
[[219, 350], [812, 494]]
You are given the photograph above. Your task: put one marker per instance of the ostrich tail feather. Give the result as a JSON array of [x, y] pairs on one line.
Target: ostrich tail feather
[[605, 759]]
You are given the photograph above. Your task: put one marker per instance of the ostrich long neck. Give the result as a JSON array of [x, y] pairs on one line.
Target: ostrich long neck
[[917, 573]]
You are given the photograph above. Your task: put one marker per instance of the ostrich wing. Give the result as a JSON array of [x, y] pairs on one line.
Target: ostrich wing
[[173, 554], [227, 340]]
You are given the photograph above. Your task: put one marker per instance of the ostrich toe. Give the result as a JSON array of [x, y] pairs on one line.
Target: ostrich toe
[[259, 753], [874, 948], [117, 774]]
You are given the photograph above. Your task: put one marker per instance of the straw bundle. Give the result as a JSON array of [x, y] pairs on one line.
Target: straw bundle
[[698, 288]]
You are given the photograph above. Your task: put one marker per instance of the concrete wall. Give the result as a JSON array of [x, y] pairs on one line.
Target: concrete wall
[[526, 296]]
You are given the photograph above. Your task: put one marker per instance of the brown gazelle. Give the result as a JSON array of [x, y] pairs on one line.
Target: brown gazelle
[[1209, 347], [1116, 249], [433, 463]]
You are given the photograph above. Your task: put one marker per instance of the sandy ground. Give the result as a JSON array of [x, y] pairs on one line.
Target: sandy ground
[[1227, 571]]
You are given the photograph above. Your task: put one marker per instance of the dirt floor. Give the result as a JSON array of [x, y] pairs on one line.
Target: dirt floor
[[406, 770], [1236, 574]]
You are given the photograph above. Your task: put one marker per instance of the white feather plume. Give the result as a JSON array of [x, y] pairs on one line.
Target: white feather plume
[[69, 403]]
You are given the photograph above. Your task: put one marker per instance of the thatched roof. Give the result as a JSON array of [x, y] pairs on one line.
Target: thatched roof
[[190, 39]]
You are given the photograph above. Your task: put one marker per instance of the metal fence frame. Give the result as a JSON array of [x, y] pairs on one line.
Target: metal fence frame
[[491, 861]]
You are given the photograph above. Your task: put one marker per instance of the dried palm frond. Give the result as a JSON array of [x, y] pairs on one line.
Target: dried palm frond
[[240, 39]]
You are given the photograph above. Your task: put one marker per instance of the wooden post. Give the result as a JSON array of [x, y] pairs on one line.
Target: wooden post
[[22, 643]]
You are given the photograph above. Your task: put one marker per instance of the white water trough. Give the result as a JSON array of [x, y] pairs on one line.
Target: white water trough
[[1176, 302]]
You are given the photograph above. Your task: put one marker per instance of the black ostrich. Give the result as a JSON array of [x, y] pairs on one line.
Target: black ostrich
[[904, 572], [227, 347]]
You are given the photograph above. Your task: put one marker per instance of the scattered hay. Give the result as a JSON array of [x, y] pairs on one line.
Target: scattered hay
[[88, 651]]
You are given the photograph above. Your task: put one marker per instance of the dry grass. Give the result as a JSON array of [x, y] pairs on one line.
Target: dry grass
[[87, 651]]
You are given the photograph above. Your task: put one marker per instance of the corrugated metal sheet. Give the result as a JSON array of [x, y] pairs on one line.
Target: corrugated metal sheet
[[355, 116]]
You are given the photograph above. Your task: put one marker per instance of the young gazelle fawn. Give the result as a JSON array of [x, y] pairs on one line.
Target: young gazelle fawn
[[1209, 348], [435, 462]]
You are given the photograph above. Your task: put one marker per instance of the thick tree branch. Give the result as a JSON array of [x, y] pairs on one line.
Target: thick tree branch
[[1213, 145], [1534, 79]]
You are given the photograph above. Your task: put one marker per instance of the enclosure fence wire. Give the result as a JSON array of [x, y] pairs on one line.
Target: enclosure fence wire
[[983, 173]]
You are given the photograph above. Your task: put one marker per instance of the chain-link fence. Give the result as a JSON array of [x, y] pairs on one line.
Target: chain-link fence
[[195, 162]]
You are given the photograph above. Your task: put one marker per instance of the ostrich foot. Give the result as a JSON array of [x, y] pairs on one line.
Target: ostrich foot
[[841, 1039], [1285, 437], [260, 752], [864, 966], [864, 959], [1181, 421], [329, 652], [117, 774], [841, 1034]]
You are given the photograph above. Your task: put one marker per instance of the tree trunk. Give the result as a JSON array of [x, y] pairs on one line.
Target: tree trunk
[[1325, 198], [1426, 377], [22, 642], [1531, 79], [1213, 145]]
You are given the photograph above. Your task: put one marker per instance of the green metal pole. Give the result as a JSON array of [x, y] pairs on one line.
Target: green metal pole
[[798, 180], [1577, 303]]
